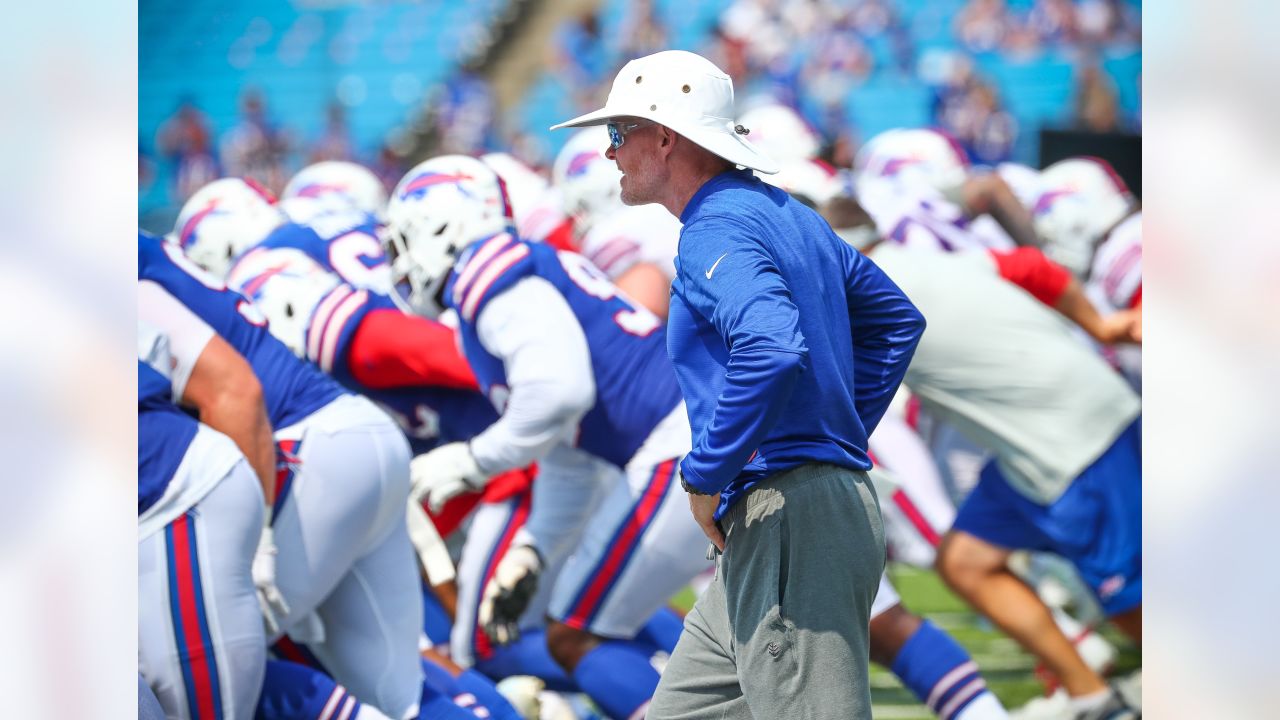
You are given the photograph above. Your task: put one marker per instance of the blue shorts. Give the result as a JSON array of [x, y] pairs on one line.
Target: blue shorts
[[1096, 523]]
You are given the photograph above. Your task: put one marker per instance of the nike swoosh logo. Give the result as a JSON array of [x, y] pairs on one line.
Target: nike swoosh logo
[[713, 267]]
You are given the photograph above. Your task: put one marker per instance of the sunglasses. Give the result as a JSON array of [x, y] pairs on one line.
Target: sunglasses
[[618, 131]]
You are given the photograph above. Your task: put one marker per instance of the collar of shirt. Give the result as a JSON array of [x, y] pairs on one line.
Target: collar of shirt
[[728, 178]]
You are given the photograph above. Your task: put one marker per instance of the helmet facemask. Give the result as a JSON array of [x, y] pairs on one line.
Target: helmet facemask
[[438, 209], [417, 286]]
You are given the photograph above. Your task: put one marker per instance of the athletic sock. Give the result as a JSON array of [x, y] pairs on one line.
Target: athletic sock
[[439, 677], [296, 692], [618, 677], [487, 693], [435, 705], [662, 632], [469, 690], [943, 676], [983, 705], [528, 655], [1084, 703]]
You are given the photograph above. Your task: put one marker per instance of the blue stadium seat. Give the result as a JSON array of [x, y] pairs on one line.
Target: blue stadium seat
[[1125, 71], [886, 102], [384, 57], [211, 51]]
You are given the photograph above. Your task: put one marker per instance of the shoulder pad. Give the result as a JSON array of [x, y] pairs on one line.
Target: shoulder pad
[[333, 323], [484, 270]]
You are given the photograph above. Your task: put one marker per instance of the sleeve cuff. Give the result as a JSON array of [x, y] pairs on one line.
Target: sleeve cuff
[[694, 480]]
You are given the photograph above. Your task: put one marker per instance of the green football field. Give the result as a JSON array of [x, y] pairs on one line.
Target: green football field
[[1009, 671]]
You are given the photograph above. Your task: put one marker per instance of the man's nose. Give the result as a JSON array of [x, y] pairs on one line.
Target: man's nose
[[610, 152]]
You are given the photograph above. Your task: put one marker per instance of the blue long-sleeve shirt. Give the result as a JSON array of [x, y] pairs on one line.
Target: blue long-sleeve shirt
[[788, 344]]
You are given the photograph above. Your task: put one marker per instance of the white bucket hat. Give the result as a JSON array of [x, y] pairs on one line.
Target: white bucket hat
[[687, 93]]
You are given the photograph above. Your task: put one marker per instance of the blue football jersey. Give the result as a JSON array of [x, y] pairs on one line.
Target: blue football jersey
[[428, 415], [292, 389], [433, 416], [343, 243], [164, 433], [635, 382]]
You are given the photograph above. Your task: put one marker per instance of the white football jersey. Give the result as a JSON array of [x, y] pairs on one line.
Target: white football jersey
[[918, 217]]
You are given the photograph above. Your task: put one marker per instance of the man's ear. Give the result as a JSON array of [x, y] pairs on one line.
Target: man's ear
[[666, 140]]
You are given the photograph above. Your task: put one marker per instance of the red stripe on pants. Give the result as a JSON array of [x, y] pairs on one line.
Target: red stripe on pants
[[913, 514], [633, 528], [483, 647], [195, 653]]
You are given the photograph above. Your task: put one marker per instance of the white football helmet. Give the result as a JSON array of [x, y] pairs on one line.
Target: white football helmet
[[222, 219], [438, 208], [781, 133], [808, 180], [916, 155], [1023, 180], [588, 181], [360, 186], [329, 215], [1080, 200], [535, 204], [286, 286]]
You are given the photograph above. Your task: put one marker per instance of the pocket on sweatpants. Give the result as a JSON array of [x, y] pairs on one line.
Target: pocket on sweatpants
[[769, 668], [776, 635], [753, 575]]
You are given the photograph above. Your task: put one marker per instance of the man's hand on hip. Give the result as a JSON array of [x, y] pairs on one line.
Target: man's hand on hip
[[703, 508]]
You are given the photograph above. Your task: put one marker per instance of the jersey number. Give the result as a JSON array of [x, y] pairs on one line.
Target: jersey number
[[197, 273], [424, 425], [634, 320], [358, 257]]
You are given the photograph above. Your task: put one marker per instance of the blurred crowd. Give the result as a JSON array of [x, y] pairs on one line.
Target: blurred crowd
[[990, 25], [813, 56], [810, 56], [187, 151]]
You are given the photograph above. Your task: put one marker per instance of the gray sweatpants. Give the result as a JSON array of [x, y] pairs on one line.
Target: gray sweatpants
[[782, 631]]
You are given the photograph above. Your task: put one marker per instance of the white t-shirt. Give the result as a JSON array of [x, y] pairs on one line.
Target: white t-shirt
[[1007, 371]]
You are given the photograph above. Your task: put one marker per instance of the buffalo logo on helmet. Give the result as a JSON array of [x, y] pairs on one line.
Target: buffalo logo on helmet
[[254, 286], [1045, 202], [188, 232], [315, 190], [893, 166], [419, 186], [580, 162]]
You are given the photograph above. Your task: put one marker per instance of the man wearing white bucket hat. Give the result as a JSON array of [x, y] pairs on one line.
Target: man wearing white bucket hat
[[788, 346]]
